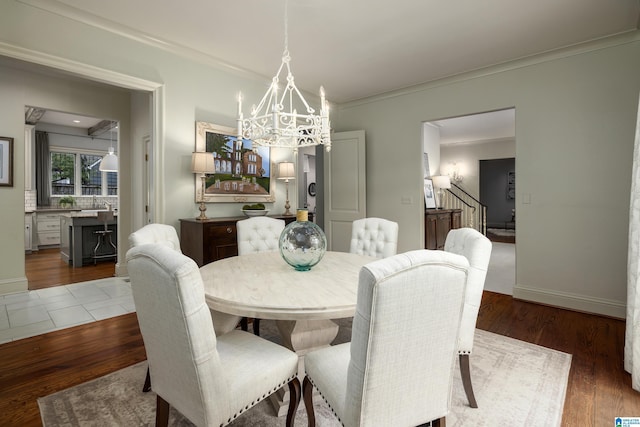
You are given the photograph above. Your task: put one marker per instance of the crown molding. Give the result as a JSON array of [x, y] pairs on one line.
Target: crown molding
[[58, 8], [565, 52], [479, 141], [77, 68]]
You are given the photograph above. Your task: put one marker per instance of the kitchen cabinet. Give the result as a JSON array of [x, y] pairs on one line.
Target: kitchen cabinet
[[48, 228], [28, 232], [79, 238], [212, 239], [437, 223]]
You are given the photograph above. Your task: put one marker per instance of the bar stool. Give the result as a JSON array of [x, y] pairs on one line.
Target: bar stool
[[104, 237]]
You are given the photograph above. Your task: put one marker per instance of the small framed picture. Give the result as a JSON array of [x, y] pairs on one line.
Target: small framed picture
[[6, 161], [429, 194]]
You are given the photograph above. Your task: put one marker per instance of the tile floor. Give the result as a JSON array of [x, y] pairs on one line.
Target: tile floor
[[32, 313]]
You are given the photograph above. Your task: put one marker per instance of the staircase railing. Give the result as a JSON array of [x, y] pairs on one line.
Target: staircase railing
[[474, 213]]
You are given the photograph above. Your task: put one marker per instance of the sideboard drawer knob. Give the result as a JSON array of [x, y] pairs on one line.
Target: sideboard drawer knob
[[229, 230]]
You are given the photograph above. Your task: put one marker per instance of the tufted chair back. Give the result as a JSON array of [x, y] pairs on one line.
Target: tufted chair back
[[209, 379], [156, 233], [476, 248], [398, 368], [258, 234], [376, 237]]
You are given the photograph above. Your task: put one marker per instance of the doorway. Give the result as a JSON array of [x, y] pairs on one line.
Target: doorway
[[459, 146], [64, 159]]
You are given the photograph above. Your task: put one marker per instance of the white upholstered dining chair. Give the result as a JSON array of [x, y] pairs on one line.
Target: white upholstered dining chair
[[210, 380], [258, 234], [377, 237], [476, 248], [156, 233], [398, 368], [166, 235]]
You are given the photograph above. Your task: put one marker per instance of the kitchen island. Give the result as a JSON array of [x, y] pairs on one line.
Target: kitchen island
[[79, 237]]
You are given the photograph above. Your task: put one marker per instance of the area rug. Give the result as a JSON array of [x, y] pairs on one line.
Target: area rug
[[516, 384]]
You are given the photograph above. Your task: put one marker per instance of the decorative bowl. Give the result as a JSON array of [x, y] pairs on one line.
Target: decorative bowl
[[255, 212]]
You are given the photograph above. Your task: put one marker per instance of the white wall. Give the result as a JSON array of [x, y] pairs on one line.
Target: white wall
[[467, 158], [190, 89], [431, 146], [575, 124], [17, 89]]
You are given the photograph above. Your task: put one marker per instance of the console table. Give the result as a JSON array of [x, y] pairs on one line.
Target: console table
[[437, 223], [212, 239]]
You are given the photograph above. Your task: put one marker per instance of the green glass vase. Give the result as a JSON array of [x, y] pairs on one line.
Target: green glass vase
[[302, 243]]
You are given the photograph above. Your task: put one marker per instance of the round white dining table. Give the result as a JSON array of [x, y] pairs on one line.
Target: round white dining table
[[262, 285]]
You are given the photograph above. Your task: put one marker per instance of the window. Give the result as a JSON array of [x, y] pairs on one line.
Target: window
[[69, 168], [63, 167]]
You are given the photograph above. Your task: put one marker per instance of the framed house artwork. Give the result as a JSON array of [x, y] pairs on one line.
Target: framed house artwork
[[429, 194], [6, 161], [241, 175]]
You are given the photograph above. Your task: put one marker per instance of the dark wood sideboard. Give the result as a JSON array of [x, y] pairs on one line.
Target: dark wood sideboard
[[212, 239], [437, 223]]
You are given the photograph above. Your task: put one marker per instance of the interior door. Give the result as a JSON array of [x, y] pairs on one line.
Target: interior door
[[344, 187]]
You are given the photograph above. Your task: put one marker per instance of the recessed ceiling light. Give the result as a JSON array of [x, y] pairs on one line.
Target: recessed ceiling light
[[76, 121]]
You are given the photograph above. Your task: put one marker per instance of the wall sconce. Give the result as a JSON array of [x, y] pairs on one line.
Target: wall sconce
[[286, 172], [202, 163], [455, 175]]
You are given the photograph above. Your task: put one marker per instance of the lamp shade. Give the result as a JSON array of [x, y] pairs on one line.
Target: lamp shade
[[109, 163], [286, 170], [441, 181], [202, 162]]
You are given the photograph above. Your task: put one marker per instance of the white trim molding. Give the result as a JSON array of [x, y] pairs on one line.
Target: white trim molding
[[605, 307], [77, 68], [13, 285], [59, 8]]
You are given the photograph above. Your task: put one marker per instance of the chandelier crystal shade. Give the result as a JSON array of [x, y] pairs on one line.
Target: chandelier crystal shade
[[284, 118]]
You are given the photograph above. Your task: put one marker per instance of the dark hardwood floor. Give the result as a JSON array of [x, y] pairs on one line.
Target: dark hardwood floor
[[598, 389], [45, 268]]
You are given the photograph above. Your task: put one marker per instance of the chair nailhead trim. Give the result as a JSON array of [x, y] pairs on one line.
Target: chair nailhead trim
[[265, 395], [325, 400]]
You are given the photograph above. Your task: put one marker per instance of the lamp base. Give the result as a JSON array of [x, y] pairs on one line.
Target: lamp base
[[287, 206], [202, 208]]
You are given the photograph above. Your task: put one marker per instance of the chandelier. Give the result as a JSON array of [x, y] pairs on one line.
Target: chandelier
[[285, 119]]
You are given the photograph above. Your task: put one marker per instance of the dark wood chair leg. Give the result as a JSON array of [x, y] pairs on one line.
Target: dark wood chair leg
[[465, 372], [162, 412], [440, 422], [244, 324], [256, 328], [307, 393], [294, 401], [147, 382]]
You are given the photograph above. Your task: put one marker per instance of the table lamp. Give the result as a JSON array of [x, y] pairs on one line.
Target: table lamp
[[286, 171], [442, 182], [202, 163]]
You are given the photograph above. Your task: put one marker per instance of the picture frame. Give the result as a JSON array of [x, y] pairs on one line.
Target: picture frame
[[429, 194], [242, 174], [6, 161], [511, 185]]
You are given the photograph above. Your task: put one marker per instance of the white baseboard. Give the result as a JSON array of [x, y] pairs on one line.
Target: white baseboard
[[570, 301], [14, 285]]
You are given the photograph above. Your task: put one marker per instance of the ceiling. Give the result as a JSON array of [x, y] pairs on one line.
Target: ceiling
[[358, 48], [476, 128]]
